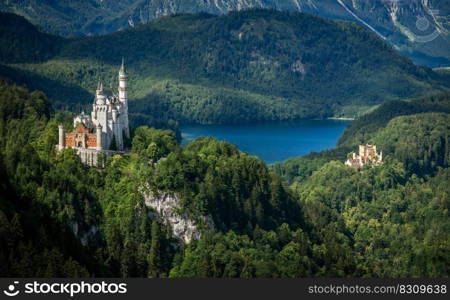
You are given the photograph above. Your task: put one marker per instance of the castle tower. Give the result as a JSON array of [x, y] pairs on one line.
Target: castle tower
[[362, 150], [117, 130], [61, 137], [123, 98], [98, 131], [99, 113]]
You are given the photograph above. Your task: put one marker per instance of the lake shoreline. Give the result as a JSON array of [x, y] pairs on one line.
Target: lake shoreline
[[341, 118], [273, 142]]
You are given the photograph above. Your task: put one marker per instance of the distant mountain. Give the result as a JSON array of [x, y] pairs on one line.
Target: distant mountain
[[417, 28], [258, 65]]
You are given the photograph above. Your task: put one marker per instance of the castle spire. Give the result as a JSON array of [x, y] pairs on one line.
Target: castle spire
[[122, 67], [99, 87]]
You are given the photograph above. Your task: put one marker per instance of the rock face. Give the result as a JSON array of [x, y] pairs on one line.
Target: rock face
[[418, 28], [167, 205]]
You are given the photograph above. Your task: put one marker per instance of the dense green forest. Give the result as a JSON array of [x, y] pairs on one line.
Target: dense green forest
[[60, 218], [365, 126], [396, 21], [248, 66], [310, 216], [363, 130]]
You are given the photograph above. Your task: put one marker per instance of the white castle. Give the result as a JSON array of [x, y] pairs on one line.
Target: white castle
[[104, 131]]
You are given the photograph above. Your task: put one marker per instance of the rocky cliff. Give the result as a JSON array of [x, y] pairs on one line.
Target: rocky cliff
[[167, 207]]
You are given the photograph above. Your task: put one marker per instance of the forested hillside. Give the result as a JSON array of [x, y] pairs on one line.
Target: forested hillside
[[60, 218], [258, 65], [32, 240], [365, 130], [410, 26], [395, 213], [364, 127]]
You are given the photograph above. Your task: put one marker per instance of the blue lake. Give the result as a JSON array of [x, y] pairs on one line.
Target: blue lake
[[273, 142]]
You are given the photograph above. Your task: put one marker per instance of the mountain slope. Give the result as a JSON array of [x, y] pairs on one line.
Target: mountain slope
[[362, 129], [257, 65], [60, 218], [418, 28], [374, 127], [24, 42]]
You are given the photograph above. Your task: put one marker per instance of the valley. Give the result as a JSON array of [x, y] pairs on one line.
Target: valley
[[160, 207]]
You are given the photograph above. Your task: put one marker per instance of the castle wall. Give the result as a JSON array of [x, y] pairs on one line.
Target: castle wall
[[93, 157], [91, 141], [118, 135], [70, 140]]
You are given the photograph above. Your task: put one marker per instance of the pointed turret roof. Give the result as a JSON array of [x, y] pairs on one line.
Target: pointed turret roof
[[122, 67], [99, 87]]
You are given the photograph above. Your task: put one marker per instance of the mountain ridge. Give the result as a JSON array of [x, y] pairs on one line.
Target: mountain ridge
[[405, 24], [258, 65]]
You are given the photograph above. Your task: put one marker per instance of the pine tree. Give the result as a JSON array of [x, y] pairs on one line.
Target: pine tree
[[154, 257]]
